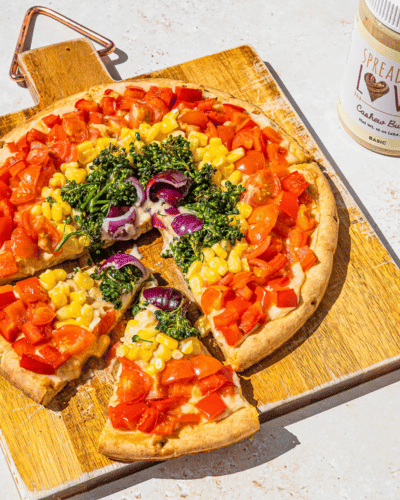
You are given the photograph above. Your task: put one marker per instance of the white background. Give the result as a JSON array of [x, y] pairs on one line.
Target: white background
[[345, 447]]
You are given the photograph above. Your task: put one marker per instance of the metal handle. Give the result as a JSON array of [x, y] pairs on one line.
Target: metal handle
[[15, 74]]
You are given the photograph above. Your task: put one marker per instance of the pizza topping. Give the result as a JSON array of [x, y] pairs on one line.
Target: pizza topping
[[170, 185], [165, 298], [186, 224]]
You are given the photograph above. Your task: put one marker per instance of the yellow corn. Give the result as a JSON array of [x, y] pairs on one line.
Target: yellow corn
[[177, 354], [48, 279], [58, 180], [57, 195], [59, 298], [104, 142], [144, 354], [236, 177], [163, 352], [194, 269], [226, 245], [241, 246], [198, 155], [167, 341], [75, 309], [84, 280], [217, 177], [159, 365], [196, 283], [228, 170], [79, 297], [76, 174], [84, 241], [66, 208], [235, 155], [221, 252], [61, 287], [196, 345], [147, 333], [143, 127], [132, 322], [239, 220], [127, 133], [218, 265], [60, 274], [210, 276], [194, 144], [203, 325], [244, 209], [245, 264], [64, 313], [46, 209], [69, 321], [122, 350], [186, 346], [46, 191], [36, 210], [201, 138], [215, 142], [71, 164], [207, 254], [87, 156], [84, 146], [152, 132], [234, 263], [151, 370], [56, 212], [151, 345], [133, 353]]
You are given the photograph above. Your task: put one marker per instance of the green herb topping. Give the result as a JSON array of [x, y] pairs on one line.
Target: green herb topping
[[175, 323]]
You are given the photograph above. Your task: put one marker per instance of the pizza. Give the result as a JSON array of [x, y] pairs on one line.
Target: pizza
[[250, 221], [171, 397], [51, 324]]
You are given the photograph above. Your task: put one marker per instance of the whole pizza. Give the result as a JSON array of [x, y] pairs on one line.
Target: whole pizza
[[250, 222]]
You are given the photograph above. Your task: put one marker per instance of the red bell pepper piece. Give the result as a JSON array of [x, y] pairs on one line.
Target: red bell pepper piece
[[211, 406]]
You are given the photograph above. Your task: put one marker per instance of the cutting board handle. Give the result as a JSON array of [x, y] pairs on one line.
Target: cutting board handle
[[57, 71]]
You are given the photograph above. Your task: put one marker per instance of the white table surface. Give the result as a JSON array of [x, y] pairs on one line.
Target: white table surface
[[347, 446]]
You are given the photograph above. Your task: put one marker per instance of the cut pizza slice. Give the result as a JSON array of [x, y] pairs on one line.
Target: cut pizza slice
[[171, 397], [50, 325]]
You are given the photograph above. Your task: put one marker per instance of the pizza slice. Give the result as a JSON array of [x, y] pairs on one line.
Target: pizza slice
[[50, 325], [171, 397]]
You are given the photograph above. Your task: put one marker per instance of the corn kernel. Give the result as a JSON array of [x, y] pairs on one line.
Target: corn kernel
[[215, 142], [241, 246], [79, 297], [203, 325], [83, 280], [228, 170], [46, 192], [84, 241], [245, 264], [46, 209], [217, 177], [61, 287], [58, 180], [186, 346], [36, 210], [64, 313], [234, 263], [210, 276], [151, 370], [59, 324], [87, 156], [221, 252], [56, 212], [66, 208], [196, 283], [198, 155], [194, 144], [236, 177], [194, 268], [60, 274], [84, 146], [202, 139], [219, 265], [57, 195], [132, 322], [104, 142], [159, 365], [207, 254], [48, 279], [76, 174], [244, 209], [151, 345], [167, 341], [197, 349], [152, 132], [122, 350], [144, 354], [163, 353], [133, 353], [241, 221], [147, 333], [143, 127], [87, 312], [177, 354], [59, 298], [71, 164], [235, 155], [218, 162], [75, 309], [226, 245]]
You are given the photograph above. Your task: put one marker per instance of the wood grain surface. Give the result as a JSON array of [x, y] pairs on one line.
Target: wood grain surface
[[352, 336]]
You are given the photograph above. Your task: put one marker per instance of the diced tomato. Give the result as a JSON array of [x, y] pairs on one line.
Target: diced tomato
[[106, 323], [96, 117], [36, 135], [51, 120], [57, 133], [273, 249], [243, 138], [76, 129], [286, 298], [189, 418], [158, 109], [195, 117], [22, 346], [245, 293], [252, 317], [138, 114], [136, 92], [251, 162], [259, 143], [177, 370], [258, 248], [241, 279], [304, 220], [281, 230], [5, 191], [271, 135], [166, 425], [305, 199], [226, 318], [6, 225], [211, 406], [262, 187], [205, 105], [188, 95], [87, 105], [81, 114], [271, 267], [38, 153], [34, 364], [6, 208], [108, 106], [205, 365], [133, 385], [226, 134], [230, 109], [16, 312], [12, 147], [306, 257], [126, 415], [212, 383], [7, 295], [49, 237], [164, 93], [295, 183], [8, 265], [72, 339], [122, 102], [277, 158], [278, 283], [22, 245], [211, 130], [163, 405], [43, 315], [34, 334], [48, 170], [213, 299], [264, 297], [22, 145], [218, 117], [297, 237], [148, 421], [52, 355], [231, 333], [243, 121], [288, 203], [180, 389], [30, 290], [16, 168], [8, 329], [112, 352]]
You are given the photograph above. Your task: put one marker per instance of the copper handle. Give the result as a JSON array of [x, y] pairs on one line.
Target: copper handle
[[15, 74]]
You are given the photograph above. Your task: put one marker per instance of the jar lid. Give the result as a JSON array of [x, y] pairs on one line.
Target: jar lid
[[387, 12]]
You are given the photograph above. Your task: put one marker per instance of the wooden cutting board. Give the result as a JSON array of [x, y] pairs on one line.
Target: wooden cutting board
[[353, 335]]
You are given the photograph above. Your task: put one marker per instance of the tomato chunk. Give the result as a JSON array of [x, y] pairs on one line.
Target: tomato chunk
[[212, 383], [148, 420], [195, 117], [251, 162], [205, 365], [295, 183], [252, 317], [188, 95], [16, 312], [30, 290], [7, 295], [34, 334], [8, 329], [8, 265], [6, 227], [177, 370], [133, 385], [211, 406], [34, 364], [231, 333], [23, 245], [166, 425], [72, 339], [126, 415]]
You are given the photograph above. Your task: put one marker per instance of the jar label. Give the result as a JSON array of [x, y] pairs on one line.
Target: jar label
[[369, 102]]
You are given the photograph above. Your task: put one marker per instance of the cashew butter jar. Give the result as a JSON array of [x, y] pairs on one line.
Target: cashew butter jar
[[369, 102]]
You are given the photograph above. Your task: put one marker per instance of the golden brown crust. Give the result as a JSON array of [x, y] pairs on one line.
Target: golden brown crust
[[134, 445]]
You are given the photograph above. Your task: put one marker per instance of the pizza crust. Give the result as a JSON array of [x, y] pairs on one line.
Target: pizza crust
[[124, 445]]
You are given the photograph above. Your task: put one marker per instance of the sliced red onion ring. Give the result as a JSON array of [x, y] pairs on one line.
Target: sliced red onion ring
[[186, 223], [164, 298], [169, 185], [157, 222], [116, 211], [141, 195], [121, 227], [172, 211], [123, 259]]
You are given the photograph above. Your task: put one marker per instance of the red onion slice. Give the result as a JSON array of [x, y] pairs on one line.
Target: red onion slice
[[119, 228], [171, 184], [172, 211], [186, 223], [141, 195], [164, 298], [123, 259], [157, 222]]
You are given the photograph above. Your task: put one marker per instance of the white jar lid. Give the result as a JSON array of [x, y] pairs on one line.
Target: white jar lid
[[387, 12]]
